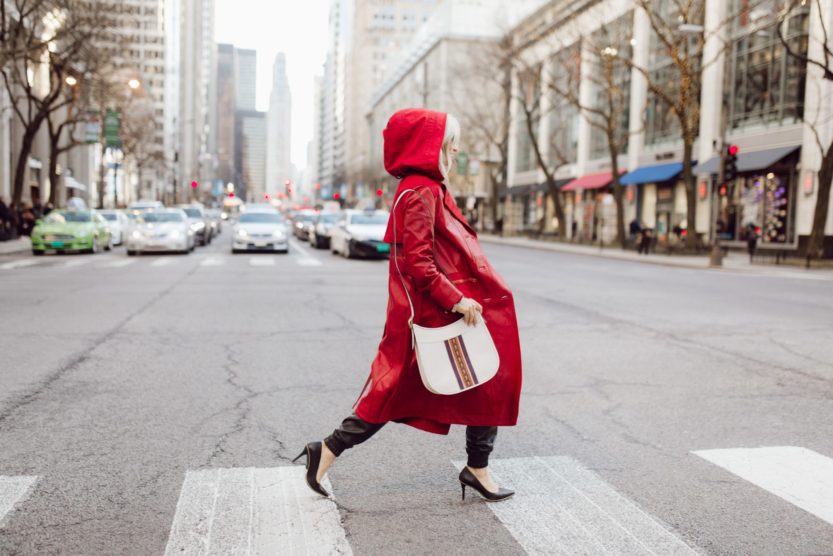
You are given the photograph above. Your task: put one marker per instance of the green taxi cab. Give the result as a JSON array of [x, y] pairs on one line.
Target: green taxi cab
[[76, 230]]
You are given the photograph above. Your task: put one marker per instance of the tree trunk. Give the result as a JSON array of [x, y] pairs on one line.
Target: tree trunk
[[815, 247], [53, 170], [621, 239], [22, 162], [691, 195]]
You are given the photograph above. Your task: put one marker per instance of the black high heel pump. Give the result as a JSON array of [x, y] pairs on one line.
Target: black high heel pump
[[467, 478], [313, 453]]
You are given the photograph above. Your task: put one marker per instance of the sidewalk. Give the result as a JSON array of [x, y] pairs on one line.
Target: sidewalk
[[734, 261], [15, 246]]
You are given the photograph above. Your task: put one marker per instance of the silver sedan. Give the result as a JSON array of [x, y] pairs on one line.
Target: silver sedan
[[161, 230]]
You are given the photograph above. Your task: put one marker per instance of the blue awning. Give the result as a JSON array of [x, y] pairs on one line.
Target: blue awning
[[652, 174], [748, 162]]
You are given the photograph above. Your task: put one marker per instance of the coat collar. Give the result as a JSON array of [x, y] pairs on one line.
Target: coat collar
[[448, 201]]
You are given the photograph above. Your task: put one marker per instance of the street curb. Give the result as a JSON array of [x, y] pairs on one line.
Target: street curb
[[23, 246], [601, 254]]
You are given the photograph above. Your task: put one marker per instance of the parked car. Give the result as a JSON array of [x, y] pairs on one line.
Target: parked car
[[200, 224], [319, 234], [161, 230], [360, 233], [302, 223], [260, 231], [119, 224], [65, 230]]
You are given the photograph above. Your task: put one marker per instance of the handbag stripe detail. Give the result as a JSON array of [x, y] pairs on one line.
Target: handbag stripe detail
[[460, 362]]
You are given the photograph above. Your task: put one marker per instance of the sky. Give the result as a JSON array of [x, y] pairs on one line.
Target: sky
[[297, 28]]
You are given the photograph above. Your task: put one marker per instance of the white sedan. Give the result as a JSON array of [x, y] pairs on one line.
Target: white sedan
[[119, 224], [161, 230], [260, 231], [360, 233]]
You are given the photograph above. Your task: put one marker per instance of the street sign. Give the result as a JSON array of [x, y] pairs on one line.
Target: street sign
[[463, 164], [92, 129], [112, 128]]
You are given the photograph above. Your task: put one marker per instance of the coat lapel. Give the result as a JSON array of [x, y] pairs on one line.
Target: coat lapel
[[448, 200]]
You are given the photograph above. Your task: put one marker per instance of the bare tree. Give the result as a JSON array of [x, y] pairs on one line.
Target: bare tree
[[824, 63]]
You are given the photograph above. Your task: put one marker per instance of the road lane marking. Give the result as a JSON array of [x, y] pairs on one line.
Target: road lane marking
[[20, 263], [212, 261], [560, 507], [261, 261], [119, 264], [305, 259], [76, 263], [162, 261], [12, 491], [800, 476], [254, 511]]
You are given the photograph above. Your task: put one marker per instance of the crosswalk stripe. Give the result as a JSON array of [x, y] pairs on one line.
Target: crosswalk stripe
[[20, 263], [12, 491], [306, 259], [162, 261], [76, 263], [560, 507], [261, 261], [800, 476], [254, 511], [119, 263], [212, 261]]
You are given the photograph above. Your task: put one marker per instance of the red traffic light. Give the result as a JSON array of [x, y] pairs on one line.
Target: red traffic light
[[379, 192], [336, 196], [231, 194], [317, 186], [733, 150], [266, 196], [194, 184]]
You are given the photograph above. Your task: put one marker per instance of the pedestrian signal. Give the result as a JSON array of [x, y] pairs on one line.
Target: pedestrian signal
[[730, 170]]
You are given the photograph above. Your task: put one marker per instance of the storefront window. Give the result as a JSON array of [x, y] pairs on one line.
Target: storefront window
[[759, 202], [767, 85]]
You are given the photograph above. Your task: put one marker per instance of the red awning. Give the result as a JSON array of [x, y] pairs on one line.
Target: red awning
[[591, 181]]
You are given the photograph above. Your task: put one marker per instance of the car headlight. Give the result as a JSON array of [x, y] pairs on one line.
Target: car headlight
[[175, 234], [198, 225], [242, 233], [278, 234], [137, 234]]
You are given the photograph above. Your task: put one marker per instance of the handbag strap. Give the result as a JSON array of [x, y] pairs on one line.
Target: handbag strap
[[395, 252]]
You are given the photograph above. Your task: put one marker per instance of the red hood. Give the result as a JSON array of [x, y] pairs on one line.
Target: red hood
[[413, 139]]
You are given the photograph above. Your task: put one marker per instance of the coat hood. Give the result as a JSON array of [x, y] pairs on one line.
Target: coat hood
[[413, 140]]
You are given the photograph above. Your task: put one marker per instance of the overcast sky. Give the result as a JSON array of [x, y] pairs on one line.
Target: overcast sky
[[298, 28]]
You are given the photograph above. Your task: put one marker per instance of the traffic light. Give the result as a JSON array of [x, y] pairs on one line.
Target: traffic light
[[379, 192], [194, 184], [336, 196], [730, 170]]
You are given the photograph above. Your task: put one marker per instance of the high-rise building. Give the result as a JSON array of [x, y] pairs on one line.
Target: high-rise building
[[250, 149], [314, 147], [380, 30], [223, 129], [279, 129], [246, 78]]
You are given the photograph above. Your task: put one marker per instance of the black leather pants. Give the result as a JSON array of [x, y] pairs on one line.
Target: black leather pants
[[480, 441]]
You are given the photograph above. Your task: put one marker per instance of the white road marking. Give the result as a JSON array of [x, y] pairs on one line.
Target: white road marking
[[560, 507], [261, 261], [76, 262], [305, 259], [800, 476], [20, 263], [162, 261], [254, 511], [12, 491], [213, 261], [119, 263]]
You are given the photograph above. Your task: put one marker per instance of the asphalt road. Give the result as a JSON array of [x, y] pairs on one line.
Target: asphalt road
[[120, 375]]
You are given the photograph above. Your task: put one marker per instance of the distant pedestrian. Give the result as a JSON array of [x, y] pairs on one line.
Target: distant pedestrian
[[426, 230], [751, 240], [635, 229], [5, 219], [645, 241]]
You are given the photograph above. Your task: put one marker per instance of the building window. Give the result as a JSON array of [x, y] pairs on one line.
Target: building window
[[767, 85], [564, 114], [529, 112]]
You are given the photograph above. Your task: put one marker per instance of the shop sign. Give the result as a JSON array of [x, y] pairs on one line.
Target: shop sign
[[112, 128]]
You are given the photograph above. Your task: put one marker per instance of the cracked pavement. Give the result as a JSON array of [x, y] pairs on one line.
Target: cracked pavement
[[116, 381]]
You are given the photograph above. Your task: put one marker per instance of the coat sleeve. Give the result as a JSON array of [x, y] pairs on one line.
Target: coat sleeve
[[418, 244]]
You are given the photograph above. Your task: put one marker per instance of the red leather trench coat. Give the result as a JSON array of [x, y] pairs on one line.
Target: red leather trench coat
[[441, 260]]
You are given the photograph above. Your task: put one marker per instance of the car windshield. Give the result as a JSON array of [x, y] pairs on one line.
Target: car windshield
[[111, 216], [153, 217], [375, 219], [261, 218], [64, 216], [193, 212], [304, 217], [328, 218]]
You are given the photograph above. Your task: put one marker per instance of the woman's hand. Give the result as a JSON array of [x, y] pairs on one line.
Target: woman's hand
[[469, 308]]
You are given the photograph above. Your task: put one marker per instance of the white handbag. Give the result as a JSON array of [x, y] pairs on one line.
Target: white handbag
[[452, 358]]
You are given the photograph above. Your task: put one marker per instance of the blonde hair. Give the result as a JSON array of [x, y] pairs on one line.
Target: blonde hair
[[451, 140]]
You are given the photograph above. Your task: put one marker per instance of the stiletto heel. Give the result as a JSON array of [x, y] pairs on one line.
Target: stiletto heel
[[467, 478], [313, 453]]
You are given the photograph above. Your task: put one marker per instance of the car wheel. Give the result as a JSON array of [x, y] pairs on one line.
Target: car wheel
[[131, 253], [109, 246], [348, 250], [37, 253], [234, 251]]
